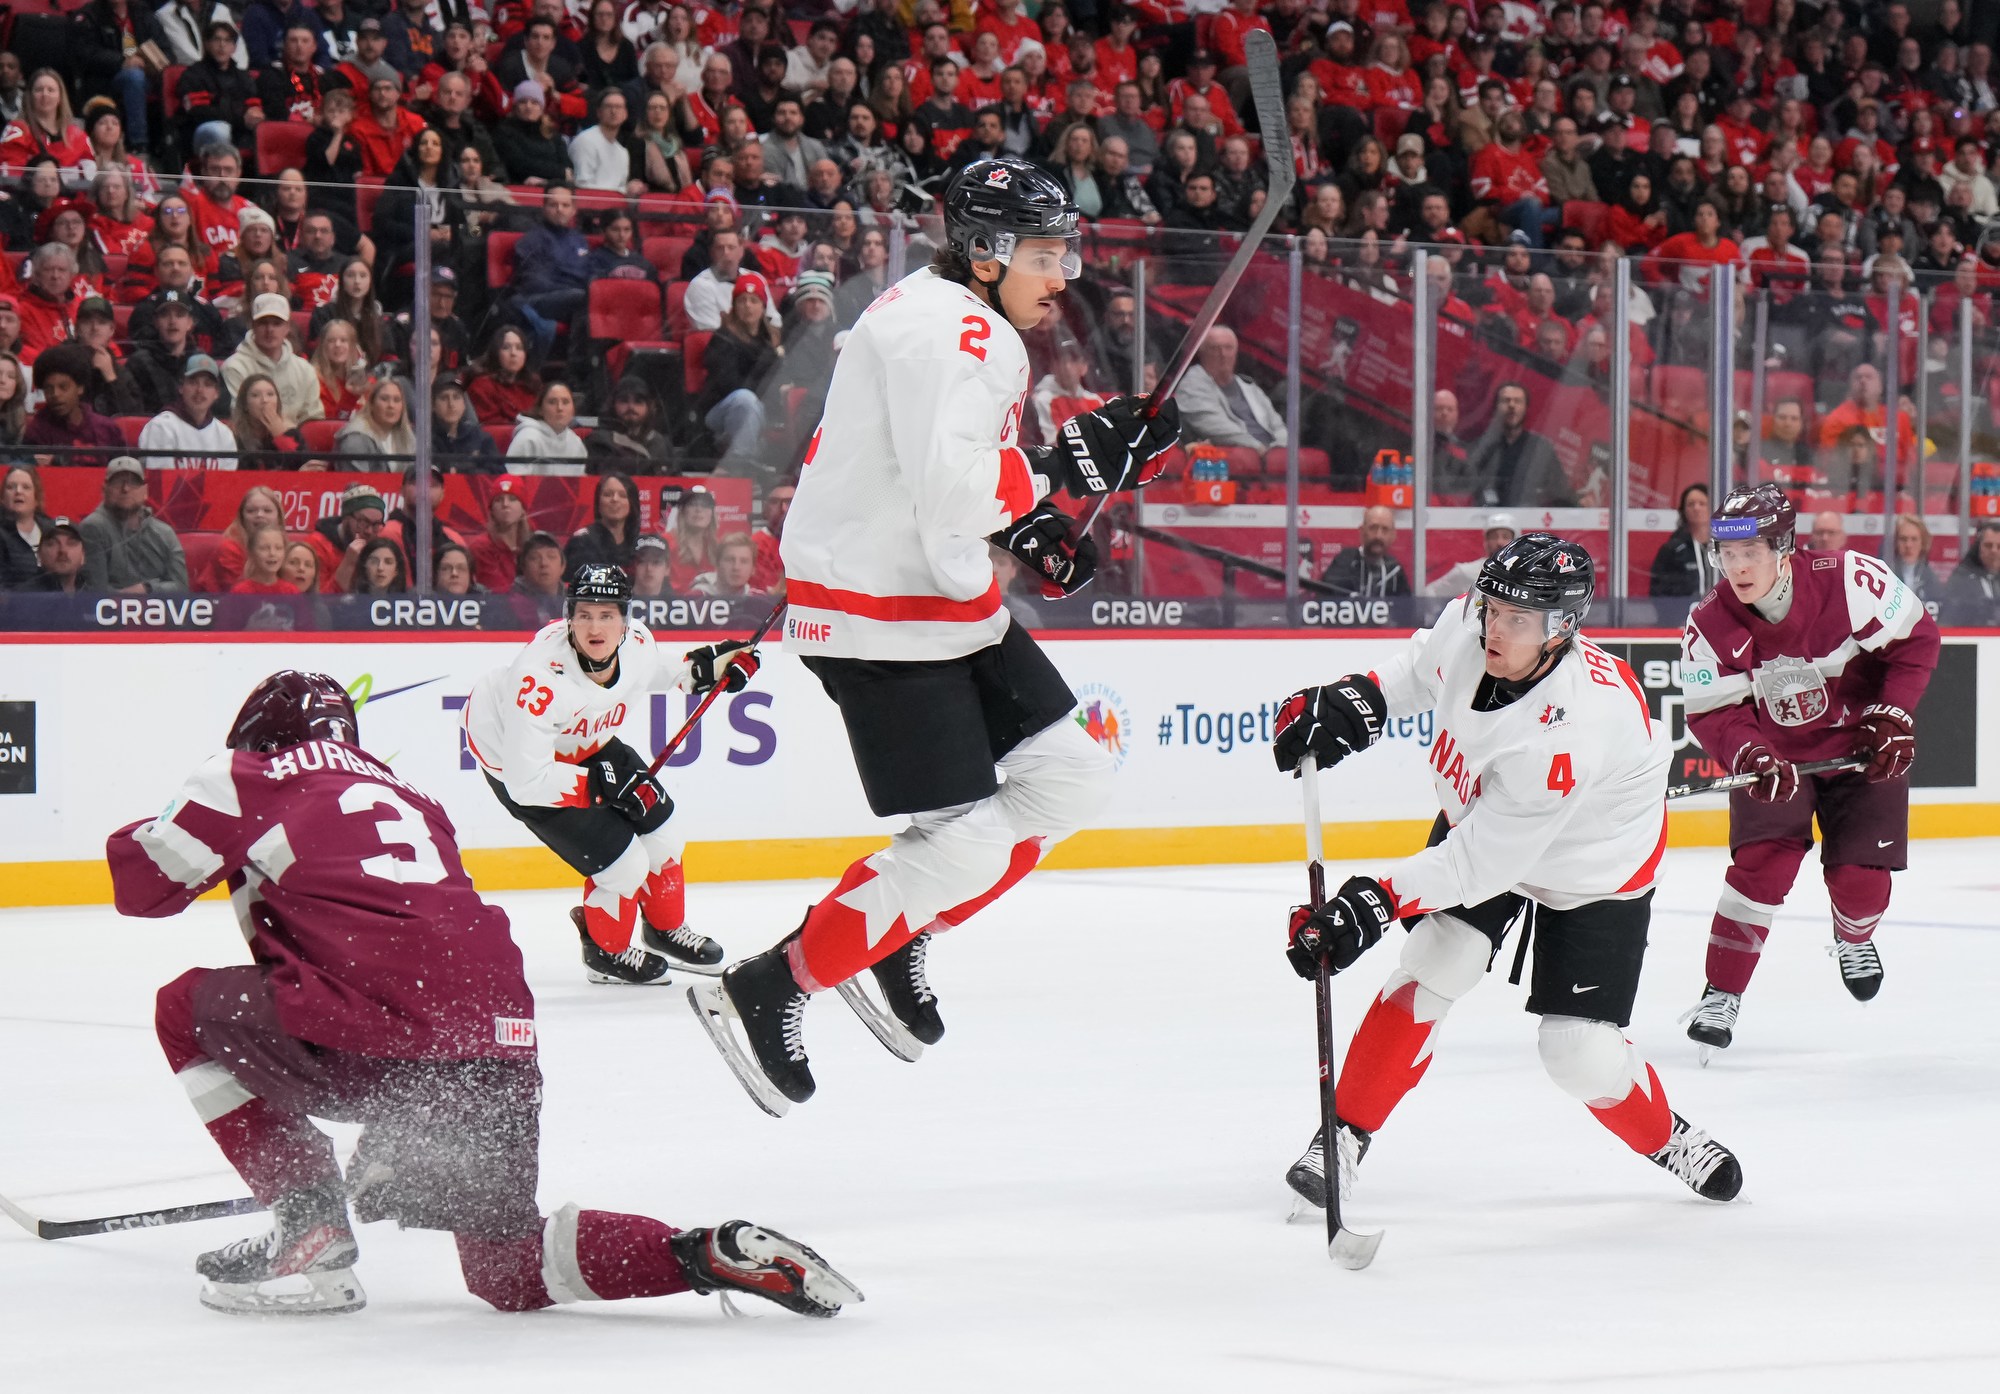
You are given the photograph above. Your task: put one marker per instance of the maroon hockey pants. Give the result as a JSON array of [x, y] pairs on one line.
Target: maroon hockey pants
[[1864, 835], [449, 1144]]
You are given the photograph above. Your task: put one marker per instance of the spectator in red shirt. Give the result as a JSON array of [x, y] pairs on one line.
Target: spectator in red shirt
[[47, 304], [496, 552], [770, 571], [1393, 83], [44, 127], [1008, 24], [1686, 257], [1227, 37], [385, 129], [214, 206], [1509, 178], [1117, 57]]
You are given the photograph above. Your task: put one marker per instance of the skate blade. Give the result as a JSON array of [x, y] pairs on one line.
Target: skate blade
[[1303, 1209], [1353, 1251], [1704, 1054], [880, 1021], [596, 978], [700, 970], [712, 1009], [823, 1283], [297, 1295]]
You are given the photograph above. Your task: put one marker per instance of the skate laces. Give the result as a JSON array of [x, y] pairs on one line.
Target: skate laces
[[1856, 959], [1716, 1008], [920, 948], [688, 938], [1692, 1155], [793, 1026]]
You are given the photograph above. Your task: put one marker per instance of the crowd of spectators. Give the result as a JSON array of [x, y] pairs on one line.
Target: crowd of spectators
[[211, 214]]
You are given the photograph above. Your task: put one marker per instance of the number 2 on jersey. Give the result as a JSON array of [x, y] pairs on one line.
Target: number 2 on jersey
[[1561, 778], [977, 331]]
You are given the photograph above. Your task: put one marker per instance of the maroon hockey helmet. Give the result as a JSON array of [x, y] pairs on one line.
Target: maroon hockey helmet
[[1764, 512], [290, 708]]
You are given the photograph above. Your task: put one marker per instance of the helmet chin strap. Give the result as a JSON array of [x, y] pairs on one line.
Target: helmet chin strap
[[589, 664]]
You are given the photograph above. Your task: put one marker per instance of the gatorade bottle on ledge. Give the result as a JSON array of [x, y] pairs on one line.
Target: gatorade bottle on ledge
[[1985, 498], [1391, 480], [1209, 484]]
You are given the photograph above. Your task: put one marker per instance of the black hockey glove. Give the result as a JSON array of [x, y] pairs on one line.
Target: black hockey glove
[[1777, 780], [1329, 723], [1341, 930], [1039, 539], [1887, 741], [619, 780], [732, 665], [1116, 446]]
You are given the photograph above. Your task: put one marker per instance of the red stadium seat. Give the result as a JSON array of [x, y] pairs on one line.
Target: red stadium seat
[[1680, 392], [500, 259], [695, 363], [281, 145], [677, 320], [317, 436], [502, 433], [627, 313], [529, 196], [200, 548], [131, 426], [1587, 218], [665, 252], [1389, 123], [170, 91], [367, 188]]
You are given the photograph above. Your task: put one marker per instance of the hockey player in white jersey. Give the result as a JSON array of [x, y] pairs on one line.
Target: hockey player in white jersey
[[549, 732], [1552, 776], [895, 608]]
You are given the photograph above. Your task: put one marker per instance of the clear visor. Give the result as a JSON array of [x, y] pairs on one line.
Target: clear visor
[[1740, 551], [1516, 624], [1048, 257]]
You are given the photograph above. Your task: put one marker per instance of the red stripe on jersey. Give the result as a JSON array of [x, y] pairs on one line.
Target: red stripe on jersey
[[1632, 681], [894, 609], [1017, 486], [1643, 877], [1867, 631]]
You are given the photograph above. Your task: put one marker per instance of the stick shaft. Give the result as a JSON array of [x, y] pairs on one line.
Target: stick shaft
[[1322, 1001], [1744, 781], [708, 699], [142, 1219]]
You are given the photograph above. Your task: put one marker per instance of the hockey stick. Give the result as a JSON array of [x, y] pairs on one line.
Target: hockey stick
[[144, 1219], [1267, 97], [1744, 781], [1343, 1245], [708, 699]]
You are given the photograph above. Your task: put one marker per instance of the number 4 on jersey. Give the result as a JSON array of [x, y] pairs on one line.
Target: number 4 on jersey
[[1561, 778]]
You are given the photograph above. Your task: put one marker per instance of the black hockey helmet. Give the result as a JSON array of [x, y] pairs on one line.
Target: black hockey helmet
[[596, 583], [996, 203], [290, 708], [1765, 511], [1540, 571]]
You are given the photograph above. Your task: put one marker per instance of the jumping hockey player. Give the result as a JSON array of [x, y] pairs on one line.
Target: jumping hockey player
[[1797, 656], [383, 992], [1552, 776], [548, 731], [894, 606]]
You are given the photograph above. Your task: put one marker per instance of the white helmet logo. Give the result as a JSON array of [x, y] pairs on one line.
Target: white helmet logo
[[999, 178]]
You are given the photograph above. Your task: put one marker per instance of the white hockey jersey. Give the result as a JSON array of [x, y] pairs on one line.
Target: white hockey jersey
[[531, 722], [1560, 795], [915, 463]]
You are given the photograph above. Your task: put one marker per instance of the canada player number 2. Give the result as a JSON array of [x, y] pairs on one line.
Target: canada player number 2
[[400, 827]]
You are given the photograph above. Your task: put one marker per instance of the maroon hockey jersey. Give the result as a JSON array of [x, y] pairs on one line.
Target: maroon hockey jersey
[[1855, 636], [348, 885]]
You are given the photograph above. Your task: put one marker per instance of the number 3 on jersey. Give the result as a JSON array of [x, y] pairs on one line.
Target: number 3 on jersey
[[1561, 778], [532, 698]]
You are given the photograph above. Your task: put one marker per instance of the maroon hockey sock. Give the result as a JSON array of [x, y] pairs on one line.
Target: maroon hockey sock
[[611, 918], [1390, 1052], [1860, 896], [504, 1272], [579, 1256], [1642, 1118], [664, 897], [626, 1255], [275, 1153], [1733, 947]]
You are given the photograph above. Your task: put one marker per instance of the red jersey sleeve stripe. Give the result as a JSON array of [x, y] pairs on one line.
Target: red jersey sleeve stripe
[[894, 609], [1643, 877], [1017, 486]]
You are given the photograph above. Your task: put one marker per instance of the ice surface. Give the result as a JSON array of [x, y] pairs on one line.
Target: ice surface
[[1082, 1187]]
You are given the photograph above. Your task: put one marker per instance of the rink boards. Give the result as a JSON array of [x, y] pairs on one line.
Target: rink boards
[[95, 734]]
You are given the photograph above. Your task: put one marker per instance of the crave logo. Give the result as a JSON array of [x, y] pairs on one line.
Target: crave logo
[[1105, 718]]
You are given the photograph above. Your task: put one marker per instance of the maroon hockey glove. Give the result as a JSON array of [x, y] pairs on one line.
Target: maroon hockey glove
[[1343, 929], [1887, 742], [732, 665], [1777, 780], [1329, 723], [1039, 539], [619, 780]]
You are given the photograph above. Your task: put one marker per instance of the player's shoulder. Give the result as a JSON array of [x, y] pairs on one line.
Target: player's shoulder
[[639, 636], [926, 316]]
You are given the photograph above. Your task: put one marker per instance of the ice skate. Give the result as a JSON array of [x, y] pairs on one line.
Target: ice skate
[[1708, 1167], [1307, 1176], [737, 1256], [906, 1019], [760, 995], [302, 1266], [640, 965], [1711, 1022], [1860, 967], [686, 948]]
